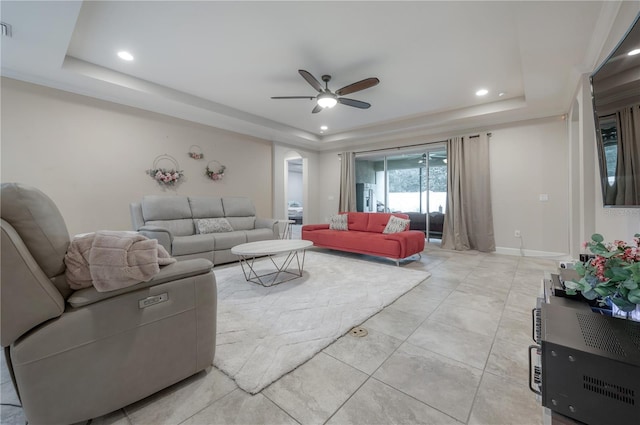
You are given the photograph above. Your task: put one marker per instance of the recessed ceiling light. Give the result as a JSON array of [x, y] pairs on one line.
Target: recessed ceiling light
[[633, 52], [125, 55], [482, 92], [501, 94], [324, 127]]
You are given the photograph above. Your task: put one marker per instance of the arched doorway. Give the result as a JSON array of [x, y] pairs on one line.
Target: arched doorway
[[294, 183]]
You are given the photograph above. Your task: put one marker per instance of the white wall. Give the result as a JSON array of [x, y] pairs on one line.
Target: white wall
[[329, 191], [529, 160], [90, 156], [295, 191]]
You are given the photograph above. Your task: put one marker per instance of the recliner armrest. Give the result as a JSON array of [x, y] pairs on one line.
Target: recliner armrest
[[163, 236], [175, 271], [28, 298]]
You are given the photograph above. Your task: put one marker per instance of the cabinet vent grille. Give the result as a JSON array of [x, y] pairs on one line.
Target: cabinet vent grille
[[613, 391], [598, 333]]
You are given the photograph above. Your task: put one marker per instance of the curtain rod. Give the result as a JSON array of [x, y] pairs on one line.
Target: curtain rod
[[401, 147], [410, 146], [477, 135]]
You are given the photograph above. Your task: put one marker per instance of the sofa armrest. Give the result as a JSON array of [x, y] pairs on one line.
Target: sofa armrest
[[164, 236], [175, 271], [268, 223], [411, 241]]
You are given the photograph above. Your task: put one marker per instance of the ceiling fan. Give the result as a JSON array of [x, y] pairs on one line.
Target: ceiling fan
[[327, 99]]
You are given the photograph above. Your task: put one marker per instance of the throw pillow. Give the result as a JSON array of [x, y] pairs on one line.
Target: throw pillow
[[396, 224], [338, 222], [213, 225]]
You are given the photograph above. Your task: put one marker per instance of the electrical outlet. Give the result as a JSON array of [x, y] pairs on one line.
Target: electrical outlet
[[516, 233]]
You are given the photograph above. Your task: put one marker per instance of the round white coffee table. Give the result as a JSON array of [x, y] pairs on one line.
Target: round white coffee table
[[248, 252]]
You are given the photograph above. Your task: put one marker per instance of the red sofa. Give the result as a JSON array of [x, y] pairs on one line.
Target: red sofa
[[365, 236]]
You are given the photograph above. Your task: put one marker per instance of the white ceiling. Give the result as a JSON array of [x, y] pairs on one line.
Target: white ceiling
[[218, 63]]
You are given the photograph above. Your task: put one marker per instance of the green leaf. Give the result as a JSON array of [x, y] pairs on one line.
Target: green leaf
[[580, 269], [597, 237], [590, 295], [630, 284], [603, 291], [572, 285], [634, 296], [623, 304]]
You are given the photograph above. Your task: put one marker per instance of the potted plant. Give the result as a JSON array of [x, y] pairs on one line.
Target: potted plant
[[612, 275]]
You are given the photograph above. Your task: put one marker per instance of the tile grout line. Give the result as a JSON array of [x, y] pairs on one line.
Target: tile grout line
[[475, 394]]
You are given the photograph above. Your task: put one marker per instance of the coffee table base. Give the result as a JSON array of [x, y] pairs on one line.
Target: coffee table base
[[272, 278]]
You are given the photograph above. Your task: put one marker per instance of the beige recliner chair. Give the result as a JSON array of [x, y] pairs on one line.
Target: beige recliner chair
[[79, 355]]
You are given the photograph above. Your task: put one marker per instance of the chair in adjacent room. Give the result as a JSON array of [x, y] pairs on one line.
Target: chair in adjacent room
[[77, 355]]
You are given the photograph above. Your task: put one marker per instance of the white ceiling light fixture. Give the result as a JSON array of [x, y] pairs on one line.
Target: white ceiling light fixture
[[634, 52], [327, 100], [482, 92], [124, 55], [324, 127]]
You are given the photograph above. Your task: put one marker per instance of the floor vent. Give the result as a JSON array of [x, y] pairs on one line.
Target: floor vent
[[358, 331]]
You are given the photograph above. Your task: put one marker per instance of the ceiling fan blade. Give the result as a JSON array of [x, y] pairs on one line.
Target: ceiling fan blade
[[354, 103], [311, 80], [360, 85], [317, 109], [293, 97]]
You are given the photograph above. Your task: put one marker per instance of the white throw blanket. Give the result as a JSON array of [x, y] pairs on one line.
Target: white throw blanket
[[111, 260]]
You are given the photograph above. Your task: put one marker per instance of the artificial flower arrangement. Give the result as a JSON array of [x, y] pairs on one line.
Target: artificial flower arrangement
[[195, 152], [612, 275], [216, 174], [166, 177]]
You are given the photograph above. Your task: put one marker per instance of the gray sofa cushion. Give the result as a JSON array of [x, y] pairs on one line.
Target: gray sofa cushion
[[238, 207], [229, 240], [242, 223], [182, 227], [206, 207], [194, 244], [259, 235], [157, 207]]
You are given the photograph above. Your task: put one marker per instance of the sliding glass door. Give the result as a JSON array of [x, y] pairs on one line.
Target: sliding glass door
[[410, 181]]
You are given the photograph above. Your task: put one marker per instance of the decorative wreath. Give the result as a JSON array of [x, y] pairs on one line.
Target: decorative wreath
[[216, 172], [195, 152], [165, 176]]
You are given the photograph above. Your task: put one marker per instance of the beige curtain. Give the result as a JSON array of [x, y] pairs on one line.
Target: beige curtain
[[627, 182], [468, 222], [347, 182]]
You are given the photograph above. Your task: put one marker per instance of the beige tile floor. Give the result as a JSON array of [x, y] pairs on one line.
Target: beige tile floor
[[452, 350]]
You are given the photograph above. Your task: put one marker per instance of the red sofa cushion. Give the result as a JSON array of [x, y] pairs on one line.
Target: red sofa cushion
[[358, 221]]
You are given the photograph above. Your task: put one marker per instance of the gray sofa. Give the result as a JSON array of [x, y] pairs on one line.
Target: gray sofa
[[172, 220]]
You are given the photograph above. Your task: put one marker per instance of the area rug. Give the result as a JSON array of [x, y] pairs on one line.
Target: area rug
[[264, 333]]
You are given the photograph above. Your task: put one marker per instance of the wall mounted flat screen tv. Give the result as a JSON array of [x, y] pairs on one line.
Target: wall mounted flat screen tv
[[615, 89]]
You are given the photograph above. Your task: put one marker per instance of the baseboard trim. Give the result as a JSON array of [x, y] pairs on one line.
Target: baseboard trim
[[532, 253]]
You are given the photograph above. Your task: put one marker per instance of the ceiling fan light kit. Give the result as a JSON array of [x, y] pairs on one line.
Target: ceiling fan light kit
[[326, 99]]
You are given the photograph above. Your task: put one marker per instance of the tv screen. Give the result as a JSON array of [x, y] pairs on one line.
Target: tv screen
[[615, 88]]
